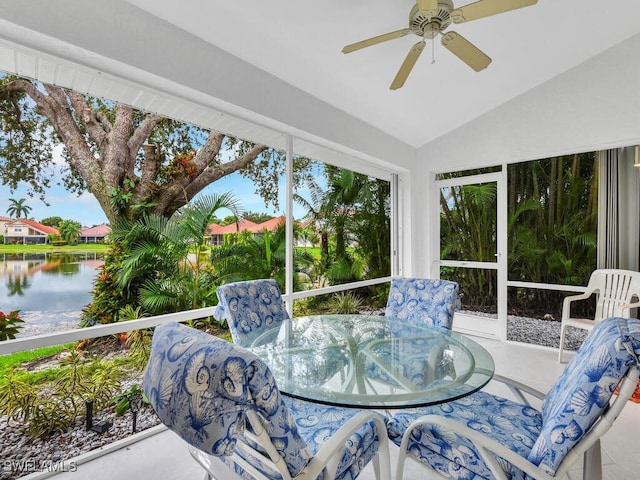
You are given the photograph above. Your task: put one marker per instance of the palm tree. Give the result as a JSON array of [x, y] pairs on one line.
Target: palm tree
[[260, 256], [163, 266], [17, 208], [69, 231]]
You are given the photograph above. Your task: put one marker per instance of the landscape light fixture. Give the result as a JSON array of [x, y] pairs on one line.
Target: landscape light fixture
[[99, 427], [135, 403]]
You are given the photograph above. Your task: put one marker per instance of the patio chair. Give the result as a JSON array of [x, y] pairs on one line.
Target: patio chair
[[223, 401], [486, 436], [411, 302], [249, 307], [422, 301], [615, 290]]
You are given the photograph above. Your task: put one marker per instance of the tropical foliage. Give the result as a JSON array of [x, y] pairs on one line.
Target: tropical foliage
[[10, 324], [251, 257], [69, 231], [53, 407], [352, 218], [552, 221], [159, 264]]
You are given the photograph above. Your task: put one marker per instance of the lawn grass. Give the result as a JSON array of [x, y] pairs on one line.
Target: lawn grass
[[81, 248], [314, 251], [12, 361]]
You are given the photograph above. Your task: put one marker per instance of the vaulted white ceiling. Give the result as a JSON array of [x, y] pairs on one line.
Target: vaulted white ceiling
[[300, 43], [278, 64]]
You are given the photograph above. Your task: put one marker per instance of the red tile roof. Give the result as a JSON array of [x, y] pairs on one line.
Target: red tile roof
[[97, 231], [269, 225], [36, 226], [215, 229]]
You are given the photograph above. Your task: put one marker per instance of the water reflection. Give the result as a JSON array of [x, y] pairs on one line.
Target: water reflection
[[47, 282]]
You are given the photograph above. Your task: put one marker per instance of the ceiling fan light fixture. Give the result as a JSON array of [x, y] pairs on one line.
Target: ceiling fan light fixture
[[430, 25], [430, 18]]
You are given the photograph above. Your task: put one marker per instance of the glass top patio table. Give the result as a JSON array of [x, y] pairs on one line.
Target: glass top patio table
[[369, 361]]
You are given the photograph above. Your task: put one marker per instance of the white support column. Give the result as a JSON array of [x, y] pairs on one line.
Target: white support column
[[432, 211], [395, 225], [502, 233], [289, 224]]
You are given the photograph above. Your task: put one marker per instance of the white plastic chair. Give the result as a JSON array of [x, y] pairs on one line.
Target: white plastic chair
[[615, 289]]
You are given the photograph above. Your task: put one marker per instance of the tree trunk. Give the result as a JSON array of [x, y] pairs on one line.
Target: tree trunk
[[108, 150]]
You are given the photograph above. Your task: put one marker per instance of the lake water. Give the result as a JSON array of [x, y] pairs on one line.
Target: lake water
[[50, 290]]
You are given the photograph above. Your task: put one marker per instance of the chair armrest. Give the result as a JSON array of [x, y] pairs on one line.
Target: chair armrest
[[566, 303], [627, 306], [485, 445], [330, 453], [518, 388]]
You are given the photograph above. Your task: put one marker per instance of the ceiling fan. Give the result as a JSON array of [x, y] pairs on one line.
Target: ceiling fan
[[429, 18]]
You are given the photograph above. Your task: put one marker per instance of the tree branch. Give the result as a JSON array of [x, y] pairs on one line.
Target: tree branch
[[25, 86], [80, 155], [182, 192], [143, 131], [86, 115]]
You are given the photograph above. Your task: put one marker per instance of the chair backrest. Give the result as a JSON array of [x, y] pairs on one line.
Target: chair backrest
[[207, 390], [582, 393], [249, 307], [615, 288], [422, 301]]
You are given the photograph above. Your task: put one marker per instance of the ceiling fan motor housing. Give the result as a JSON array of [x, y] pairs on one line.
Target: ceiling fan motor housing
[[427, 26]]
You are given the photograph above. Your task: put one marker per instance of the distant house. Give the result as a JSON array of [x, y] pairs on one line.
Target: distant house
[[217, 232], [3, 224], [25, 231], [96, 234], [269, 225]]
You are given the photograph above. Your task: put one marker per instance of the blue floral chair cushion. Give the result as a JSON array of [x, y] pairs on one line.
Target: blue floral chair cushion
[[249, 307], [569, 410], [512, 424], [584, 389], [201, 388], [421, 301]]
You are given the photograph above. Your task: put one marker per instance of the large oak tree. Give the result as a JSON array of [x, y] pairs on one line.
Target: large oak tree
[[131, 161]]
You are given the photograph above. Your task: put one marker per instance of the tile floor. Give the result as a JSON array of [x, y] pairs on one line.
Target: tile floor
[[164, 456]]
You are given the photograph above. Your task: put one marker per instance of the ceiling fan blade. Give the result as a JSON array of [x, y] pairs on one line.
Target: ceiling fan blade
[[407, 65], [375, 40], [485, 8], [428, 6], [465, 51]]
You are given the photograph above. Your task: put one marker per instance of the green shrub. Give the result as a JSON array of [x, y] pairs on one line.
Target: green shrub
[[53, 407], [345, 303], [10, 324]]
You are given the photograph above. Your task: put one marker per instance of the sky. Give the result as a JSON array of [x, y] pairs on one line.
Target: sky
[[86, 209]]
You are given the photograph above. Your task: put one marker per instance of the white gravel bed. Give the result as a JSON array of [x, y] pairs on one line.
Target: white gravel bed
[[21, 455]]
